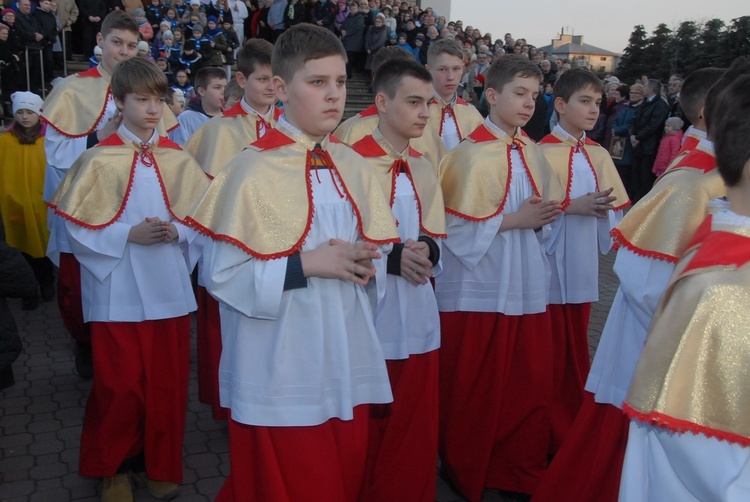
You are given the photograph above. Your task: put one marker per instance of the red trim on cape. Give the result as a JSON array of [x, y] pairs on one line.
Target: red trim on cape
[[277, 112], [461, 101], [414, 153], [165, 142], [419, 202], [96, 122], [697, 159], [333, 139], [718, 248], [620, 240], [113, 139], [370, 111], [481, 134], [122, 205], [682, 426], [550, 139], [91, 72], [690, 144], [526, 166], [367, 147], [235, 110], [273, 139], [310, 212]]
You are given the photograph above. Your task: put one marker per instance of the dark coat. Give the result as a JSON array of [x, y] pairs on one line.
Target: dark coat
[[16, 280], [48, 25], [648, 124], [374, 41], [28, 26], [354, 26]]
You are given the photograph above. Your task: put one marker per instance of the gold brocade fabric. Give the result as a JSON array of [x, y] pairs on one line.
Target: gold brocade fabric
[[467, 117], [267, 211], [424, 179], [96, 187], [220, 139], [21, 206], [558, 155], [693, 373], [429, 144], [76, 105], [474, 175], [662, 223]]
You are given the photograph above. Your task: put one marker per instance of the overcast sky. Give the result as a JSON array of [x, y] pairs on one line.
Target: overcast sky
[[608, 27]]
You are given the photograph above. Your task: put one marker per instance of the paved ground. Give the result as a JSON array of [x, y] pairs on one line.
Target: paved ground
[[41, 417]]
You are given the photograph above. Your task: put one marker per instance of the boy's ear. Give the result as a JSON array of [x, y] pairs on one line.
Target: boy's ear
[[119, 104], [279, 87], [380, 102], [201, 91], [560, 105], [99, 39], [490, 94], [241, 80]]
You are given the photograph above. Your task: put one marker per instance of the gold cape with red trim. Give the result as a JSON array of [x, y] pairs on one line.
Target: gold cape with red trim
[[690, 143], [475, 175], [559, 149], [693, 373], [267, 211], [662, 223], [220, 139], [375, 149], [95, 190], [76, 105], [468, 118], [364, 123]]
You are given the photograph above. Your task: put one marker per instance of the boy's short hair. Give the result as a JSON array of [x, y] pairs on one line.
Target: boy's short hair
[[387, 54], [255, 53], [138, 76], [205, 75], [119, 20], [694, 91], [390, 74], [731, 129], [170, 96], [575, 80], [507, 68], [233, 91], [302, 43], [445, 46], [740, 67]]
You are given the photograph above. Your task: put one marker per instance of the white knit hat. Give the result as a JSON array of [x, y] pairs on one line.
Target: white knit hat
[[24, 100]]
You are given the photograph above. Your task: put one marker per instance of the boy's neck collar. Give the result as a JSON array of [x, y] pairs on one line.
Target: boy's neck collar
[[559, 129], [499, 131], [389, 148], [250, 110], [442, 101], [130, 137], [299, 136]]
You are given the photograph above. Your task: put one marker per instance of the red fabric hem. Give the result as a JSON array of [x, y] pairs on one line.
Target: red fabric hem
[[620, 240], [682, 426], [98, 119]]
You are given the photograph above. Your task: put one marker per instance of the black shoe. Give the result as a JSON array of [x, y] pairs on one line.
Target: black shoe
[[84, 362], [30, 303]]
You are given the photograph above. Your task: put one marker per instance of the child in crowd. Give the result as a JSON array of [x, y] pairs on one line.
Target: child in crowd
[[452, 118], [190, 60], [23, 211], [143, 50], [365, 122], [689, 438], [670, 145], [81, 112], [96, 59], [144, 27], [594, 200], [404, 434], [213, 145], [301, 360], [209, 86], [182, 83], [176, 101], [154, 12], [233, 93], [496, 355], [651, 238], [125, 227]]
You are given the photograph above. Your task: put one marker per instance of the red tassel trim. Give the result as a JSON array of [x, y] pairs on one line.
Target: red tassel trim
[[682, 426], [620, 240], [96, 122]]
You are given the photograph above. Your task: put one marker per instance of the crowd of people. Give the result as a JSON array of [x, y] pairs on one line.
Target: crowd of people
[[411, 284]]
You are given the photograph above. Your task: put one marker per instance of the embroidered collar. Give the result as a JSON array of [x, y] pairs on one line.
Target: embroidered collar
[[130, 137], [390, 150], [300, 137], [250, 110]]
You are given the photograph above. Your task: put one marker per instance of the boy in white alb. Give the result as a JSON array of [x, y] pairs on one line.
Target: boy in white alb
[[403, 434], [496, 348], [296, 222], [592, 186], [124, 202], [451, 117]]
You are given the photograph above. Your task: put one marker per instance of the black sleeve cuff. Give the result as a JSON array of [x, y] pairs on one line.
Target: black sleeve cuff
[[434, 248], [92, 140], [394, 259], [295, 276]]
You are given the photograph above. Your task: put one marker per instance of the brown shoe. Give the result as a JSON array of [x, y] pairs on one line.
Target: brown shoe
[[162, 490], [117, 488]]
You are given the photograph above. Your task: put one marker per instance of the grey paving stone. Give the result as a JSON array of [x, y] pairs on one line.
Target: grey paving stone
[[52, 470], [18, 488], [49, 446], [51, 495]]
